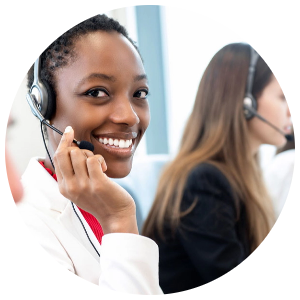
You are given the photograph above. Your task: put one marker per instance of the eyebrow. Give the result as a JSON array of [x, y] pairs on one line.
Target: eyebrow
[[97, 75], [140, 77], [109, 78]]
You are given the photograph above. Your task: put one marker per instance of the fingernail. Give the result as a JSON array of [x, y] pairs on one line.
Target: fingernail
[[68, 129]]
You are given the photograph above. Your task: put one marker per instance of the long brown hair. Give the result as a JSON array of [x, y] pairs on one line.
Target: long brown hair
[[217, 133]]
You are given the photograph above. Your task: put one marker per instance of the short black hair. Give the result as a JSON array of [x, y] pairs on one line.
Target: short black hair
[[61, 51]]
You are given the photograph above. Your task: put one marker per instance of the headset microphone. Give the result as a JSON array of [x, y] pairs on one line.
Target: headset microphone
[[33, 105], [250, 103], [289, 137], [41, 100]]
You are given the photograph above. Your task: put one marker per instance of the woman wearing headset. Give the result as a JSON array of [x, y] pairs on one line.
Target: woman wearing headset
[[211, 208], [99, 94]]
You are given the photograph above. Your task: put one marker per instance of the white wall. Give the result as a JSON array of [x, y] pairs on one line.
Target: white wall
[[191, 40], [24, 139]]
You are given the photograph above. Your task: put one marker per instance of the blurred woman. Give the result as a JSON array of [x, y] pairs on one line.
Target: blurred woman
[[211, 208]]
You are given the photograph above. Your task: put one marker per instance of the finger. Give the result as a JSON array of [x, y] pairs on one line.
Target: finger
[[87, 153], [78, 160], [102, 162], [66, 139], [63, 163], [94, 166], [62, 160], [58, 175]]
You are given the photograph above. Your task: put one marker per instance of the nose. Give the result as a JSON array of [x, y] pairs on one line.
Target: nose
[[124, 113], [288, 111]]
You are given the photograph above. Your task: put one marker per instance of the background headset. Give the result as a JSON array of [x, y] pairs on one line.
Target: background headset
[[249, 100], [250, 103], [41, 100]]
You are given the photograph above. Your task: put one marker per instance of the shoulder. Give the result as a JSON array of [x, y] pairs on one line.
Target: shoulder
[[208, 194], [206, 176]]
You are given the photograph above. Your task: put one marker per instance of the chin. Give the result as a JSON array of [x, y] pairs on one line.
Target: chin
[[280, 142], [118, 170]]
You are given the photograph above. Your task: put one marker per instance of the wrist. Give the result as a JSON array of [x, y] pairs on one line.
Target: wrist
[[120, 225], [122, 222]]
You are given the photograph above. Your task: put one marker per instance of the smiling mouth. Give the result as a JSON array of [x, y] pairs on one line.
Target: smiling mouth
[[117, 143], [120, 145]]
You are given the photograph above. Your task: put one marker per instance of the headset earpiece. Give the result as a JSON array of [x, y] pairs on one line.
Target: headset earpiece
[[249, 99], [42, 94]]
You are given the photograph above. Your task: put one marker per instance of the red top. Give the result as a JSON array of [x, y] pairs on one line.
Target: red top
[[90, 219]]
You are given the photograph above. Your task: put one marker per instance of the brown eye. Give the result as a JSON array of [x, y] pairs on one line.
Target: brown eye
[[96, 93], [142, 94]]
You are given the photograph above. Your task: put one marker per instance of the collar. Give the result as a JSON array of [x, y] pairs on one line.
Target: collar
[[90, 219], [48, 170], [36, 179]]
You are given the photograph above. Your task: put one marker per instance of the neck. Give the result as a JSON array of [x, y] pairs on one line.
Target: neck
[[48, 163], [254, 145], [51, 151]]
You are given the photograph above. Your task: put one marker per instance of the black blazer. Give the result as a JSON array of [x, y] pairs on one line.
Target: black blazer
[[210, 241]]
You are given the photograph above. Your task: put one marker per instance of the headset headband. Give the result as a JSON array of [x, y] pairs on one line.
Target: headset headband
[[253, 61], [249, 100]]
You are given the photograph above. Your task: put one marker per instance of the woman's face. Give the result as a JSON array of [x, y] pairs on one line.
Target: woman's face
[[273, 107], [102, 94]]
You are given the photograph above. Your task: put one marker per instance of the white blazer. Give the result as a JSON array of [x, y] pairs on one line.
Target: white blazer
[[127, 263]]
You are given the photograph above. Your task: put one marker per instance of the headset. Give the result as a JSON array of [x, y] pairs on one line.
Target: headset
[[42, 102], [250, 103], [249, 100], [40, 97]]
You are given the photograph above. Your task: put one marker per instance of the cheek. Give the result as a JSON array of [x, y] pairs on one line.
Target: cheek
[[264, 133], [144, 116], [82, 116], [274, 110]]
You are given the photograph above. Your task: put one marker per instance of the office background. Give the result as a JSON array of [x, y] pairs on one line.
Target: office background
[[176, 48], [176, 43]]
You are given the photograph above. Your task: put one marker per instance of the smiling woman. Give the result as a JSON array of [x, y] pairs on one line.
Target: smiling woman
[[112, 103], [97, 90]]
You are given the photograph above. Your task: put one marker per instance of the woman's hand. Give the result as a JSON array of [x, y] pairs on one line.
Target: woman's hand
[[82, 180]]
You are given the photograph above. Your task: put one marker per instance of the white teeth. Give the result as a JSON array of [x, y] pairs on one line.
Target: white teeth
[[122, 144], [116, 142]]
